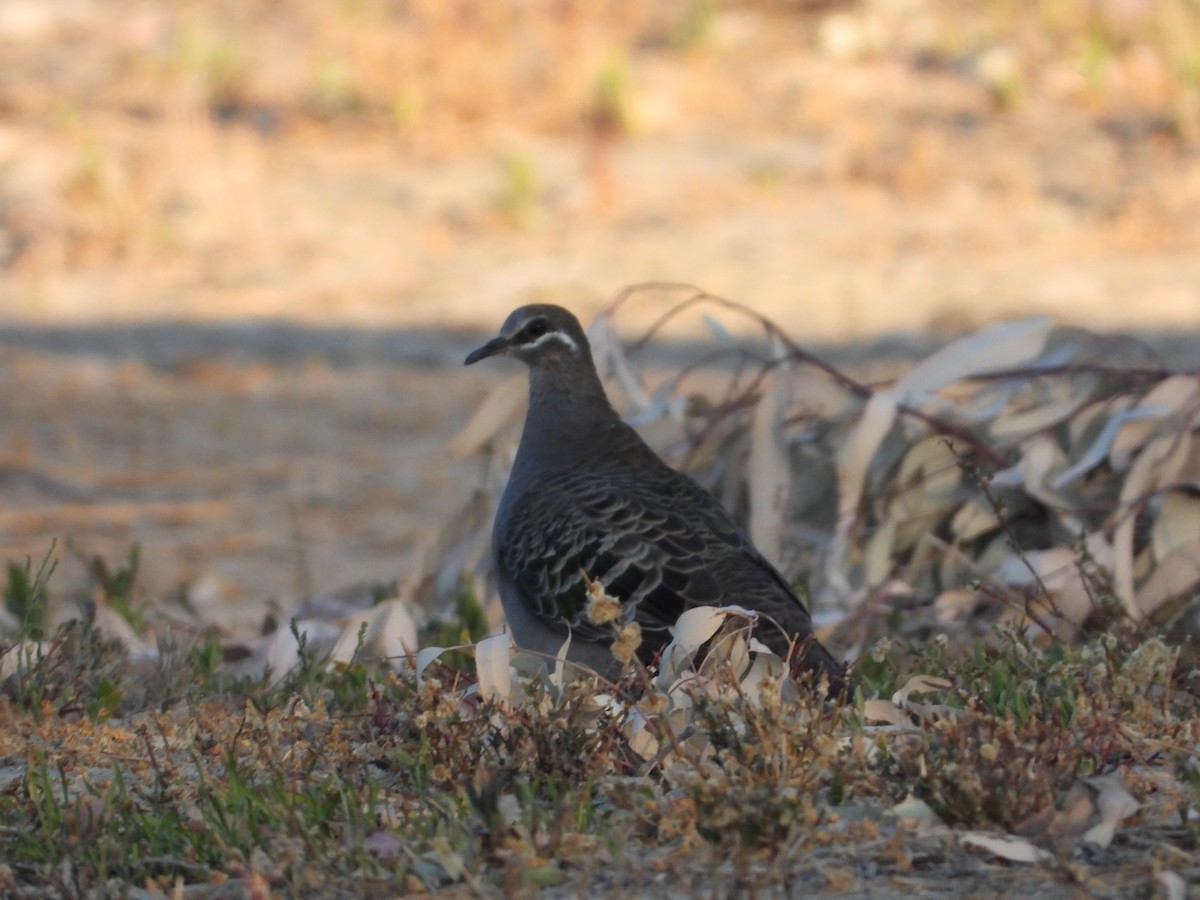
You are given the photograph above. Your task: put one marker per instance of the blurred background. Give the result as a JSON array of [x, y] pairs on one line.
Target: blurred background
[[244, 244]]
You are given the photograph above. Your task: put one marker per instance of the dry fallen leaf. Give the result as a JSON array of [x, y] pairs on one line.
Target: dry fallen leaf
[[885, 711], [1091, 811], [768, 470], [1014, 849], [492, 658], [991, 349], [920, 684], [954, 605], [916, 814], [1113, 803], [387, 630], [1173, 884], [1176, 575], [1158, 463], [853, 463], [691, 631]]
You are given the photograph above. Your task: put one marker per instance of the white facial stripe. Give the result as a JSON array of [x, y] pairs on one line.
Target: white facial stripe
[[553, 336]]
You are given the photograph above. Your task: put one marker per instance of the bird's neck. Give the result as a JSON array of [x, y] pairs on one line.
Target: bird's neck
[[569, 421]]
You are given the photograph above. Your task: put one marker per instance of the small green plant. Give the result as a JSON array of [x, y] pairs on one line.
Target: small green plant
[[26, 597], [468, 625], [519, 187], [334, 91], [77, 670], [612, 111], [118, 586], [695, 24]]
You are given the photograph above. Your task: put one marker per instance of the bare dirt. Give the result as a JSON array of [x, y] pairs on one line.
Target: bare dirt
[[386, 179]]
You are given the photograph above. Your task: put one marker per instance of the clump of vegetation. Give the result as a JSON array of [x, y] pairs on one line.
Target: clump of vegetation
[[425, 777]]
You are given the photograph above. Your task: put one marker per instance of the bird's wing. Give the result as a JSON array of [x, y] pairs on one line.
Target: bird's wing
[[659, 544]]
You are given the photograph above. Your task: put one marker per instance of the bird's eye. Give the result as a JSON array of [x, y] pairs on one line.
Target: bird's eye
[[536, 328]]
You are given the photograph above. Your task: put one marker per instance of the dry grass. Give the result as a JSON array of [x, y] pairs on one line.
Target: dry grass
[[362, 161]]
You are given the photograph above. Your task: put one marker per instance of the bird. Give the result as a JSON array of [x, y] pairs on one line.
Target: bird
[[588, 501]]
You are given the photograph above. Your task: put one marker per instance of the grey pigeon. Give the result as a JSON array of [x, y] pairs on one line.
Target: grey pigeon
[[588, 496]]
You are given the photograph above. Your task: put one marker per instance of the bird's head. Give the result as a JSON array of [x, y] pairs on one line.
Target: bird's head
[[539, 335]]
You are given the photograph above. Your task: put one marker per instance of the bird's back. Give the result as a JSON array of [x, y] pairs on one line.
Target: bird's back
[[652, 536]]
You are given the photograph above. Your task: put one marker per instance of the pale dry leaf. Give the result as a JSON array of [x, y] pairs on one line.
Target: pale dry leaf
[[387, 629], [278, 652], [611, 358], [426, 656], [450, 861], [768, 470], [1114, 803], [1091, 812], [767, 672], [355, 632], [1169, 398], [991, 349], [497, 410], [664, 405], [885, 711], [1100, 834], [1157, 464], [916, 814], [1040, 459], [492, 658], [1176, 574], [930, 712], [1013, 849], [1173, 884], [1063, 822], [398, 630], [877, 557], [558, 675], [1058, 570], [1017, 425], [986, 403], [719, 332], [954, 605], [929, 478], [1177, 523], [1099, 449], [112, 624], [727, 651], [920, 684], [509, 808], [18, 657], [973, 519], [637, 732], [694, 628], [854, 461]]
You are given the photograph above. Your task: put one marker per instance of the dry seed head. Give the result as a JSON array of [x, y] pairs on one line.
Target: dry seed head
[[629, 638], [601, 607]]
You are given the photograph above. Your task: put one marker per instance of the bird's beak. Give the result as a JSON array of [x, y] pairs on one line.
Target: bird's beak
[[494, 347]]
